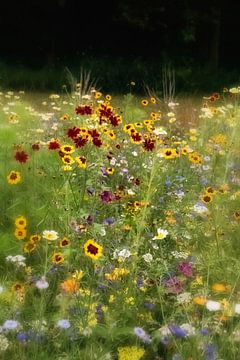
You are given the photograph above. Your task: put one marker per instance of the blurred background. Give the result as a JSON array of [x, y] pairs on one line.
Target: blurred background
[[119, 42]]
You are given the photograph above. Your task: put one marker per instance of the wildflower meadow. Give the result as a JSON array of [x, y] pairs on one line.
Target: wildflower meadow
[[119, 226]]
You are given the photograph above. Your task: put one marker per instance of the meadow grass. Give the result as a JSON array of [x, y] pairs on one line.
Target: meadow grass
[[119, 226]]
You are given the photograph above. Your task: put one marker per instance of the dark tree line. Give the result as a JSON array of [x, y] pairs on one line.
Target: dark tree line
[[46, 31]]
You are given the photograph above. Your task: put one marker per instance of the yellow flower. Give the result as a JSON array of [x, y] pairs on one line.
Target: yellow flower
[[92, 249], [64, 242], [168, 153], [130, 301], [29, 246], [128, 128], [35, 237], [65, 117], [130, 353], [67, 159], [206, 198], [195, 158], [78, 274], [110, 171], [20, 233], [153, 100], [144, 102], [57, 258], [81, 161], [184, 150], [108, 97], [67, 149], [98, 94], [111, 134], [67, 168], [199, 300], [154, 115], [218, 287], [21, 222], [14, 177]]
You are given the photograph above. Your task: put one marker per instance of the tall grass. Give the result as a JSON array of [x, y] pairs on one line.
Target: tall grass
[[127, 217]]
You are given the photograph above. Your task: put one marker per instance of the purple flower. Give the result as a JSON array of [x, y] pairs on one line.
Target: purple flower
[[63, 324], [185, 268], [209, 352], [139, 332], [204, 331], [22, 336], [178, 331], [109, 221], [10, 325], [174, 285], [104, 172], [168, 182], [106, 196], [149, 305]]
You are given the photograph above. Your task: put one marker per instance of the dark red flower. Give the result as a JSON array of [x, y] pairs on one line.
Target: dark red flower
[[136, 136], [73, 132], [80, 141], [115, 120], [53, 145], [94, 133], [149, 144], [83, 110], [174, 285], [35, 147], [21, 157], [97, 141]]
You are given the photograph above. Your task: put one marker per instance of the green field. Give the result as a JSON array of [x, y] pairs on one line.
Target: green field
[[119, 225]]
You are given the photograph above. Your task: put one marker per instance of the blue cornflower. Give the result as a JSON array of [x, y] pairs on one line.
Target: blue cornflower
[[139, 332], [178, 331]]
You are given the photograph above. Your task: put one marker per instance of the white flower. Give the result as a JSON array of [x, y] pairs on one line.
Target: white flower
[[213, 305], [148, 257], [50, 235], [130, 192], [237, 308], [42, 283], [206, 167], [1, 289], [189, 328], [165, 331], [3, 343], [161, 234], [112, 161], [18, 260], [200, 208], [102, 232], [160, 131], [179, 254], [184, 298], [122, 254]]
